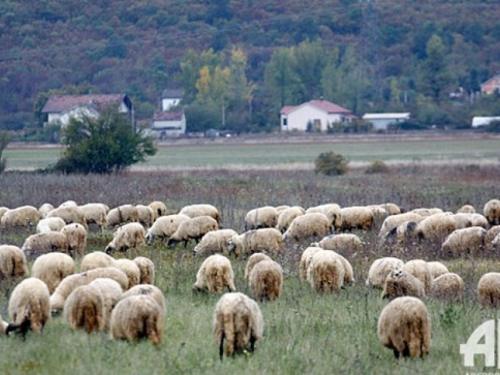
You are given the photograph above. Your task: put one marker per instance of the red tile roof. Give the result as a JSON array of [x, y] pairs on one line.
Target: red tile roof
[[324, 105], [60, 103], [167, 116]]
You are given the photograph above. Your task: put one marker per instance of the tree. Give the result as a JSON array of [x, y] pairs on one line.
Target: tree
[[102, 145], [4, 141], [435, 73]]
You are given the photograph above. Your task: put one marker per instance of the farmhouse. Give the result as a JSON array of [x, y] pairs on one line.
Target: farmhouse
[[170, 98], [168, 124], [491, 85], [381, 121], [315, 115]]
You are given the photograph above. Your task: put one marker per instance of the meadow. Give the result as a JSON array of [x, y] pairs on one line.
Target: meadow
[[304, 332]]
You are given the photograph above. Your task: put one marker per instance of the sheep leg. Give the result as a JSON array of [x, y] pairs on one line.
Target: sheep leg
[[221, 347]]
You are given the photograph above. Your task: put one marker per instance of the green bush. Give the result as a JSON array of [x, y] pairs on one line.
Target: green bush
[[331, 164], [378, 166]]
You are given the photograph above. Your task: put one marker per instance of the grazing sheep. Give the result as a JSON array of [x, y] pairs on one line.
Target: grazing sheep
[[195, 210], [164, 227], [70, 214], [146, 268], [356, 218], [331, 211], [466, 209], [110, 272], [267, 240], [391, 208], [193, 229], [95, 213], [159, 209], [120, 215], [262, 217], [379, 270], [393, 221], [401, 283], [76, 237], [342, 242], [146, 215], [405, 327], [348, 271], [282, 207], [465, 220], [238, 319], [491, 211], [286, 217], [12, 263], [308, 227], [488, 289], [495, 244], [437, 269], [266, 280], [29, 306], [24, 217], [427, 211], [435, 228], [420, 269], [111, 293], [137, 317], [96, 259], [84, 309], [68, 203], [464, 241], [400, 236], [215, 274], [44, 209], [305, 260], [131, 269], [131, 235], [448, 286], [214, 242], [150, 290], [52, 268], [491, 234], [50, 224], [326, 272], [43, 243], [252, 261]]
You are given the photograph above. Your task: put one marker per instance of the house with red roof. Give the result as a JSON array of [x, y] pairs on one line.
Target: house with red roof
[[168, 124], [491, 85], [315, 115]]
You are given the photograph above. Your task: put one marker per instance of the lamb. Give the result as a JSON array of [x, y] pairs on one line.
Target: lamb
[[120, 215], [488, 289], [12, 263], [464, 241], [195, 210], [393, 221], [435, 228], [448, 286], [131, 235], [95, 213], [50, 224], [326, 272], [29, 307], [420, 269], [70, 214], [342, 242], [266, 280], [308, 227], [159, 209], [76, 237], [194, 228], [405, 327], [379, 270], [137, 317], [44, 209], [146, 215], [262, 217], [84, 309], [146, 269], [111, 293], [24, 217], [96, 259], [356, 218], [467, 208], [266, 240], [331, 211], [491, 211], [164, 227], [286, 217], [214, 242], [252, 261], [52, 268], [238, 319], [150, 290], [215, 274], [437, 269], [43, 243], [131, 269], [401, 283], [305, 260]]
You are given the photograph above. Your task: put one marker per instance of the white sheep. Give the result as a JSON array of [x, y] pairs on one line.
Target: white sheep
[[12, 263], [331, 211], [393, 221], [146, 215], [268, 240], [44, 209], [435, 228], [214, 242], [464, 241], [52, 268], [343, 242], [146, 268], [488, 290], [286, 217], [405, 327], [465, 220], [200, 209], [467, 208], [423, 211], [50, 224], [391, 208], [252, 261], [437, 269], [96, 259], [308, 227], [120, 215], [95, 213], [193, 229], [305, 260], [400, 236], [401, 283], [70, 214], [238, 320], [379, 270], [21, 217], [43, 243], [111, 293], [491, 211], [326, 272], [421, 270], [164, 227], [150, 290], [84, 309], [76, 237], [266, 280], [131, 269], [448, 286], [131, 235], [491, 234], [356, 217], [159, 209], [215, 274], [261, 217]]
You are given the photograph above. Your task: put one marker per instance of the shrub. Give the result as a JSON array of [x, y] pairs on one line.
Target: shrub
[[4, 141], [331, 164], [378, 166]]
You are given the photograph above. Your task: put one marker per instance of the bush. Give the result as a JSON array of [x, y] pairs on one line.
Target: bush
[[331, 164], [4, 141], [378, 166]]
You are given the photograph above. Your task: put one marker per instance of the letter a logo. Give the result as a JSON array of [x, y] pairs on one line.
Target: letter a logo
[[473, 347]]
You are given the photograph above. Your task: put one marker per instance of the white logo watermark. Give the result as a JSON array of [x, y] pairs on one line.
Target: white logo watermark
[[487, 348]]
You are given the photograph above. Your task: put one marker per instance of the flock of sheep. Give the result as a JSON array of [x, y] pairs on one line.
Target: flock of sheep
[[119, 296]]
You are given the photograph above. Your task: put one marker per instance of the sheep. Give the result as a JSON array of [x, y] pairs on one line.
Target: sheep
[[137, 317], [238, 320], [111, 293], [252, 261], [84, 309], [146, 269], [110, 272], [76, 237], [266, 280], [96, 259], [146, 215], [68, 203], [120, 215], [448, 286], [214, 242], [43, 243], [467, 209], [465, 220], [286, 217], [437, 269], [427, 211], [305, 260], [401, 283], [464, 241], [194, 228], [215, 274], [393, 221], [379, 270], [262, 217], [356, 217], [420, 269], [491, 211], [331, 211], [52, 268], [131, 235], [150, 290], [3, 326], [12, 263], [131, 269], [95, 213], [391, 208], [405, 327], [400, 236], [195, 210], [268, 240], [491, 234], [308, 227], [164, 227], [70, 214], [29, 306], [44, 209], [159, 209], [435, 228], [343, 242], [488, 290], [24, 216], [348, 271], [282, 208], [326, 272], [50, 224]]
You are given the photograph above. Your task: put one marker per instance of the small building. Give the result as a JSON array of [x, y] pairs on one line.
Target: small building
[[315, 115], [381, 121], [170, 98], [483, 121], [491, 85], [168, 124]]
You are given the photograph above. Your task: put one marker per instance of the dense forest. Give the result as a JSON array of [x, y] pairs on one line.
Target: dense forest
[[239, 61]]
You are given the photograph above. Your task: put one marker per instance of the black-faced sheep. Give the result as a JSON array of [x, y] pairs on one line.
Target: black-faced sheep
[[96, 259], [308, 228], [238, 320], [76, 237], [29, 307], [159, 209], [84, 309], [347, 243], [70, 214], [215, 275], [331, 211], [393, 221], [21, 217], [400, 237], [326, 272], [435, 228], [448, 286], [120, 215], [44, 209], [95, 213], [43, 243], [214, 242], [149, 290], [266, 280], [137, 317], [164, 227], [193, 229], [437, 269], [146, 268], [131, 269], [50, 224], [357, 217], [261, 217], [12, 263], [131, 235], [252, 261], [405, 327], [267, 240], [488, 290], [146, 215], [111, 293], [201, 209], [305, 260], [401, 283], [491, 211], [52, 268], [464, 241], [286, 217], [379, 270], [420, 269]]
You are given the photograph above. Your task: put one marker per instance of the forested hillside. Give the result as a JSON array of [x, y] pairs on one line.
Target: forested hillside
[[239, 61]]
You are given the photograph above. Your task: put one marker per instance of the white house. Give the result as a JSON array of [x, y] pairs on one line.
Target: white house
[[168, 124], [315, 114], [170, 98], [381, 121], [483, 121]]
